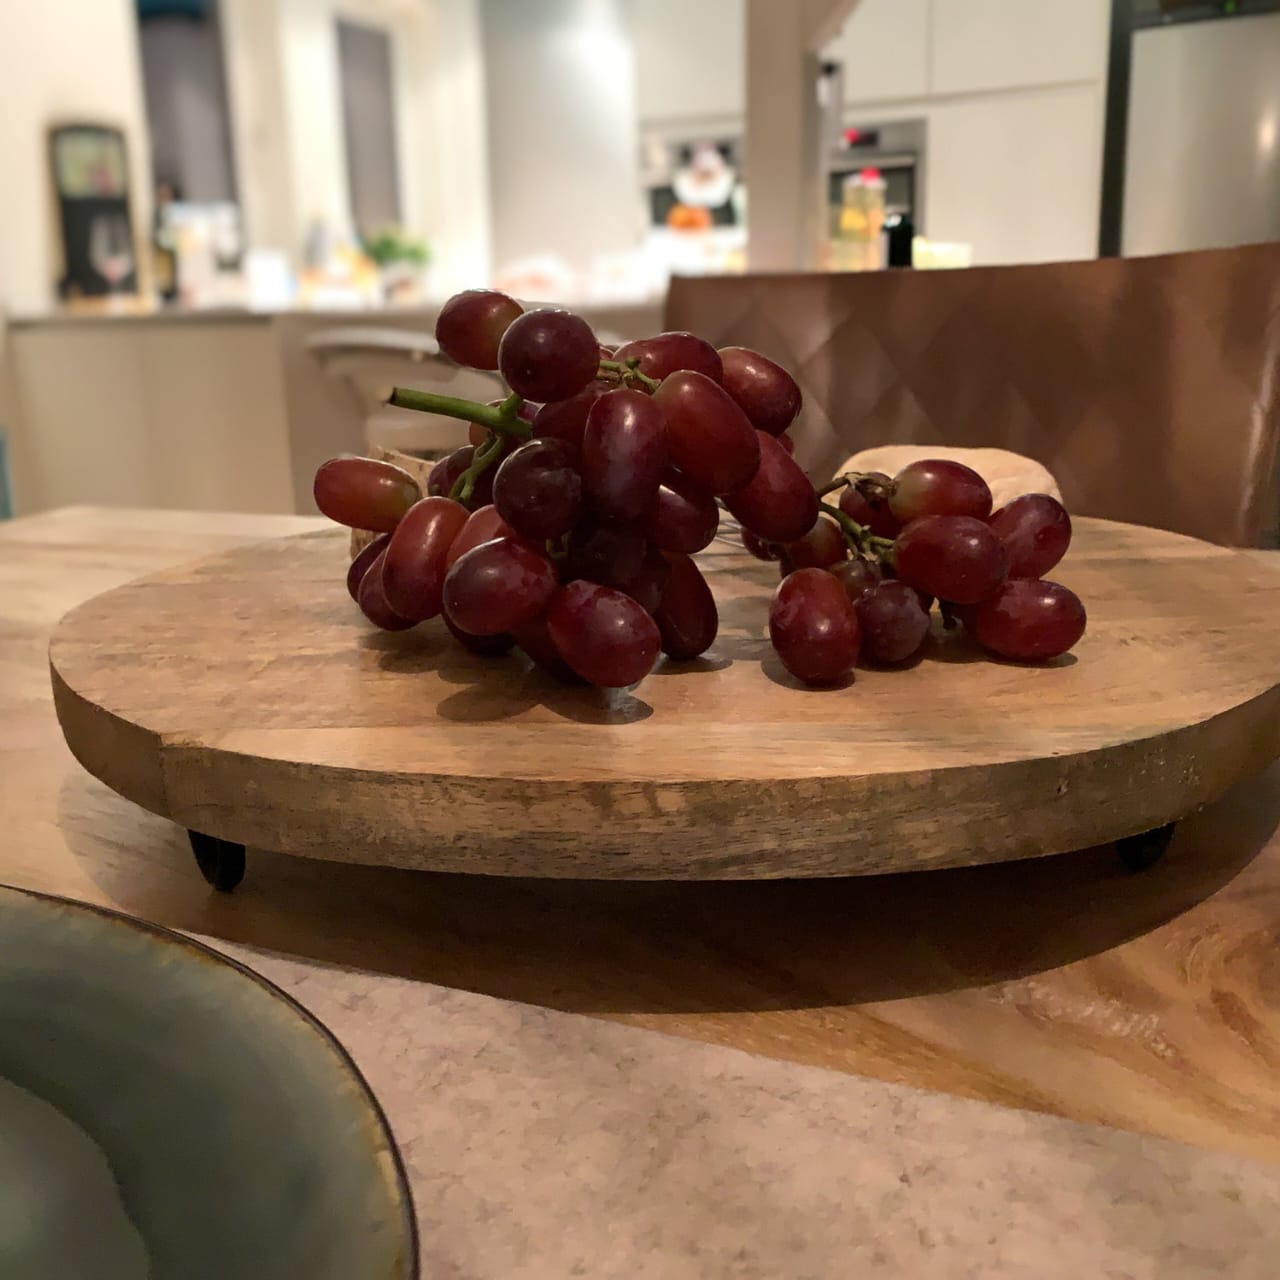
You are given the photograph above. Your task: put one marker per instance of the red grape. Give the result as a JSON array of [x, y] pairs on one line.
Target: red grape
[[1036, 530], [623, 454], [534, 638], [538, 490], [471, 324], [758, 547], [482, 646], [605, 554], [484, 524], [867, 502], [648, 586], [936, 487], [814, 627], [684, 518], [604, 635], [360, 564], [955, 558], [414, 568], [778, 502], [787, 443], [687, 618], [446, 473], [1029, 620], [823, 545], [373, 600], [894, 623], [364, 493], [567, 419], [858, 576], [708, 437], [497, 587], [668, 352], [765, 391], [548, 354]]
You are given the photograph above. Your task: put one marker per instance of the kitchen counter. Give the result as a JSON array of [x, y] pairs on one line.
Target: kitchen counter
[[956, 1073]]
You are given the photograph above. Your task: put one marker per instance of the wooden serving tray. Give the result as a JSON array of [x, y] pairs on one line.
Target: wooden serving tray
[[245, 697]]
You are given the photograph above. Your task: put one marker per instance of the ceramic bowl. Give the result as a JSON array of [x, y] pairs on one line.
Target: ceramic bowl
[[166, 1113]]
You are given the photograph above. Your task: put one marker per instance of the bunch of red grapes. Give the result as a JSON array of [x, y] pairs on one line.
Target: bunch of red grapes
[[569, 524]]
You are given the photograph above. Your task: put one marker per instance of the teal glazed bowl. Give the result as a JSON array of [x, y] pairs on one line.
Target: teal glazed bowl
[[166, 1114]]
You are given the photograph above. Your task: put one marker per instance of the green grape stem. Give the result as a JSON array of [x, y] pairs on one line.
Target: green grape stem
[[485, 456], [504, 418], [858, 536], [629, 372]]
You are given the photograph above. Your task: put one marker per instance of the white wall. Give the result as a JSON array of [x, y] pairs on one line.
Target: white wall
[[690, 58], [61, 60]]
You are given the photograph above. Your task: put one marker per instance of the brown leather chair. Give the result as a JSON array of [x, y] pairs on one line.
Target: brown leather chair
[[1149, 386]]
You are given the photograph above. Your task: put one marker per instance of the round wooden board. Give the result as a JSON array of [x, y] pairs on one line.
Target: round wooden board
[[244, 696]]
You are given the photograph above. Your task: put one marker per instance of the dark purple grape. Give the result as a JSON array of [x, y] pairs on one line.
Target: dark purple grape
[[684, 518], [360, 564], [471, 324], [624, 453], [534, 638], [765, 391], [548, 354], [604, 553], [1028, 620], [373, 600], [857, 576], [954, 558], [666, 353], [567, 419], [482, 646], [497, 587], [484, 524], [648, 586], [778, 502], [893, 622], [937, 487], [708, 437], [414, 568], [814, 627], [867, 502], [787, 443], [538, 490], [604, 635], [1036, 531], [364, 493], [687, 617], [758, 547], [822, 546]]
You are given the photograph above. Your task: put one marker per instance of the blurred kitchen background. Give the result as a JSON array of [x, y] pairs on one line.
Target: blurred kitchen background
[[180, 174]]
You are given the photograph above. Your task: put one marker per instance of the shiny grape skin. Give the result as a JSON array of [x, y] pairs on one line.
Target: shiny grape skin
[[937, 487], [684, 518], [1028, 620], [1036, 531], [498, 586], [373, 600], [814, 627], [822, 546], [857, 576], [445, 474], [955, 558], [758, 547], [894, 623], [666, 353], [871, 512], [604, 635], [687, 617], [708, 437], [483, 525], [649, 585], [624, 454], [471, 324], [538, 490], [360, 564], [414, 567], [548, 354], [604, 554], [482, 646], [778, 503], [765, 391], [567, 419], [364, 493]]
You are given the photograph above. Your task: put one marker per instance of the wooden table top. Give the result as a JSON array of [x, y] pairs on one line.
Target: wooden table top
[[1149, 1002]]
